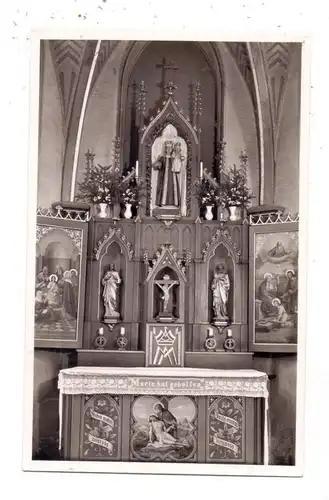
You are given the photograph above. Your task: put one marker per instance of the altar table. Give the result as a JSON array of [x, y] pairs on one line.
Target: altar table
[[164, 414]]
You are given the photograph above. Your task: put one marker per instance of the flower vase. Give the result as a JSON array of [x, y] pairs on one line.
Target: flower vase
[[102, 210], [209, 213], [235, 213], [128, 213]]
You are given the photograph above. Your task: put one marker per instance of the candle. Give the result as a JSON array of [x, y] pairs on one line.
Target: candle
[[101, 331], [229, 333], [122, 331], [137, 168], [201, 169], [210, 332]]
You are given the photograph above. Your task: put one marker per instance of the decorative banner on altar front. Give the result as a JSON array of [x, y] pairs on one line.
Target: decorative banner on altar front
[[229, 421], [101, 442], [102, 418], [225, 444], [226, 429], [101, 431]]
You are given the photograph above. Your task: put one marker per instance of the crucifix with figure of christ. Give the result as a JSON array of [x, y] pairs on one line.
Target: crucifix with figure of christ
[[168, 69], [165, 285]]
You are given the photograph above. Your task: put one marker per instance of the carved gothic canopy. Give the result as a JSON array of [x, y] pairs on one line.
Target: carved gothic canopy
[[166, 257], [115, 234], [169, 128]]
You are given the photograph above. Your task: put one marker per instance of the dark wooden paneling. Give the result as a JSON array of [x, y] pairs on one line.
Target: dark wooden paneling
[[110, 358], [219, 360]]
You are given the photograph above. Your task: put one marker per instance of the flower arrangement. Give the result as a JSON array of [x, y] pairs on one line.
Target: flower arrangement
[[235, 191], [100, 185], [132, 191], [206, 192]]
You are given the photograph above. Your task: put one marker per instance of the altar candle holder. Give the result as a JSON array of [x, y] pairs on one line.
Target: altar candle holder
[[210, 342], [100, 341], [229, 342], [122, 341]]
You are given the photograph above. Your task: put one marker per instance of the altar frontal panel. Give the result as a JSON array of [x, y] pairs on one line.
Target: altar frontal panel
[[226, 427], [101, 428], [164, 429]]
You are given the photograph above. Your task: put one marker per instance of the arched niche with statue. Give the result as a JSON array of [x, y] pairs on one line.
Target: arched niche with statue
[[109, 290], [165, 287], [169, 158]]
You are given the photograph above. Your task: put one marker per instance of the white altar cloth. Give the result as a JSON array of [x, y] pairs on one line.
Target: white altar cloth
[[164, 381]]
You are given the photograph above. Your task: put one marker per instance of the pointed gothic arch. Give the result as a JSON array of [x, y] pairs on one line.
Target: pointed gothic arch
[[105, 241], [169, 116], [221, 237]]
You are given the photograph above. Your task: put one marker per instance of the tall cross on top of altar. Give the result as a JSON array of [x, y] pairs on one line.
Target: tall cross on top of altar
[[166, 67]]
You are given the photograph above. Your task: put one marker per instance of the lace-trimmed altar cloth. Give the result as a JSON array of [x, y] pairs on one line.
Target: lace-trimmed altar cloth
[[164, 381]]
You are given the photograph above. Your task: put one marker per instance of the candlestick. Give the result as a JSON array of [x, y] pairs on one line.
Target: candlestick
[[137, 168], [100, 340], [122, 341], [201, 169], [210, 342]]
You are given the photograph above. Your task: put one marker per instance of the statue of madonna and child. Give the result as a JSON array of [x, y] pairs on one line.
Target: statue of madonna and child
[[169, 172]]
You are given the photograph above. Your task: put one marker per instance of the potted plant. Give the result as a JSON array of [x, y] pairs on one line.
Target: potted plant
[[207, 195], [236, 195], [100, 187], [131, 192]]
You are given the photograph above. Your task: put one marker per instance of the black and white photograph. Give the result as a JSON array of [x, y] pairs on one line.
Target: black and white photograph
[[166, 280]]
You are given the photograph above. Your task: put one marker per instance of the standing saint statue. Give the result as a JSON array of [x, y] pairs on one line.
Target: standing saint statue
[[111, 282], [220, 287], [168, 182]]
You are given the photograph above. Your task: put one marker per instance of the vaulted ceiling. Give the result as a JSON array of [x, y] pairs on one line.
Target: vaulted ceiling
[[71, 55], [263, 66]]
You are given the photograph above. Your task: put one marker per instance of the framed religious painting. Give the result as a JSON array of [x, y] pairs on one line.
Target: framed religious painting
[[60, 268], [273, 281]]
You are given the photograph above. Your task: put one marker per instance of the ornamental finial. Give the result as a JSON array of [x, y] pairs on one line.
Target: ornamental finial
[[170, 87]]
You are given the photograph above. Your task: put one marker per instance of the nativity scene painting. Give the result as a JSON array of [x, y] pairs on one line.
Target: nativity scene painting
[[276, 287]]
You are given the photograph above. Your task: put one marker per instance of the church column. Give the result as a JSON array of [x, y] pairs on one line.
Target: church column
[[79, 77], [265, 126]]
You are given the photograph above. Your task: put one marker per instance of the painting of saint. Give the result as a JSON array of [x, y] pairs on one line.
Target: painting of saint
[[163, 429], [276, 290], [53, 298], [57, 283], [167, 417], [266, 293]]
